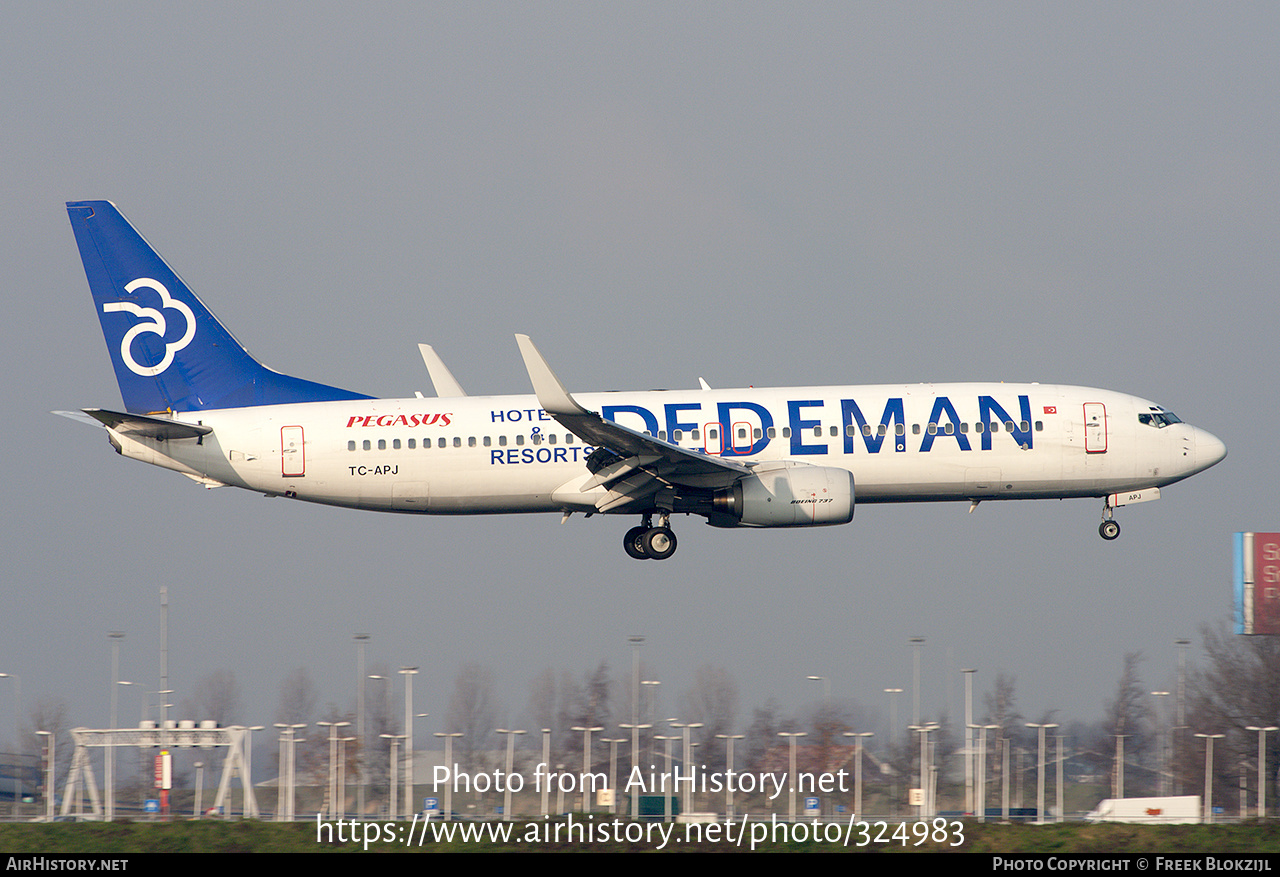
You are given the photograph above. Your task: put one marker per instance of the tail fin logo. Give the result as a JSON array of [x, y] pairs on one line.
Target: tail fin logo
[[154, 323]]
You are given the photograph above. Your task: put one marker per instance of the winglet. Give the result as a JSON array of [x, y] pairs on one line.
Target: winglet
[[445, 383], [552, 395]]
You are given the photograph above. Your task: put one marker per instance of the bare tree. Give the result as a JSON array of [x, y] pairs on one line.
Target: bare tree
[[50, 714], [298, 698], [1238, 686], [1128, 717], [216, 698], [713, 702], [471, 712]]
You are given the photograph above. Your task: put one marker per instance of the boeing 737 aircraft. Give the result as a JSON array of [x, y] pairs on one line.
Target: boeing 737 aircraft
[[196, 402]]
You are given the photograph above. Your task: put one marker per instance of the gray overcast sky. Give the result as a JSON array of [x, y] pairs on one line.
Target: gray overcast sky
[[758, 194]]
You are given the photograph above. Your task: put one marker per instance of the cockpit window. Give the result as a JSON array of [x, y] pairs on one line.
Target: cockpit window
[[1158, 418]]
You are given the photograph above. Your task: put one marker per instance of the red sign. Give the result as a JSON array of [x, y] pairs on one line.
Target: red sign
[[1266, 583]]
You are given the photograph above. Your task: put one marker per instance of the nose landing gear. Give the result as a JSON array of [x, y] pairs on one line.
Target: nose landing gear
[[648, 542]]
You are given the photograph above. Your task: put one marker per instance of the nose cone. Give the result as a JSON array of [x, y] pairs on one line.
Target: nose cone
[[1209, 449]]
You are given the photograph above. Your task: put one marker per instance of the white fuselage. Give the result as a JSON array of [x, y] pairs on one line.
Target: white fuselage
[[499, 454]]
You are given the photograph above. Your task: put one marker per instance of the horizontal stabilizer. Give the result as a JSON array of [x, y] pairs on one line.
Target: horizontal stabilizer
[[147, 427]]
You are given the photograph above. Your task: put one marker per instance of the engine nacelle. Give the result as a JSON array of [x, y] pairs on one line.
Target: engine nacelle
[[791, 495]]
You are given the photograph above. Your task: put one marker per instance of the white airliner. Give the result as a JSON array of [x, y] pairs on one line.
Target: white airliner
[[197, 402]]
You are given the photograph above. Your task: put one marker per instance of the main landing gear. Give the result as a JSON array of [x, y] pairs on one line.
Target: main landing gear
[[1108, 529], [648, 542]]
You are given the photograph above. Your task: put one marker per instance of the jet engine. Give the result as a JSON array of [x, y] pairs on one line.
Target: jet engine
[[790, 495]]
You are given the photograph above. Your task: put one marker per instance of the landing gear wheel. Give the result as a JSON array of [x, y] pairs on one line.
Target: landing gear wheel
[[659, 543], [633, 543], [1108, 530]]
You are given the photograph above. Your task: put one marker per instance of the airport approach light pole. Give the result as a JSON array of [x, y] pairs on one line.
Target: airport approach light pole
[[409, 673], [666, 777], [968, 738], [1163, 762], [687, 758], [448, 760], [651, 687], [857, 770], [613, 770], [1040, 771], [361, 640], [728, 766], [1262, 765], [586, 761], [636, 642], [1208, 774], [916, 642], [334, 792], [981, 786], [791, 776], [251, 808], [635, 762], [546, 763], [48, 783], [511, 755], [926, 768], [393, 783], [1118, 791], [109, 768]]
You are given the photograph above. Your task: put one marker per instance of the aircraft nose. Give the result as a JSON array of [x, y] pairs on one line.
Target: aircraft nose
[[1209, 449]]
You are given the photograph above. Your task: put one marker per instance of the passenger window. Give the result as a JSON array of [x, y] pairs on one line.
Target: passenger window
[[713, 433], [756, 432], [413, 443], [676, 434], [502, 441], [693, 434], [1008, 426], [786, 432], [964, 427], [1039, 426], [551, 438], [536, 438], [742, 433], [487, 441], [519, 439], [950, 429], [471, 441], [382, 444], [568, 438], [1024, 426], [866, 429], [351, 446], [850, 431], [457, 441], [915, 429], [395, 444], [773, 432], [933, 429], [366, 444], [900, 429]]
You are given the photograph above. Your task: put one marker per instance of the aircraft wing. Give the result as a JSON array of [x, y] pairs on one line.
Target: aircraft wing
[[644, 464]]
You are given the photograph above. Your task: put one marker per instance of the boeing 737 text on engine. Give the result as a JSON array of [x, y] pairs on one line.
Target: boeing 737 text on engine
[[196, 402]]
